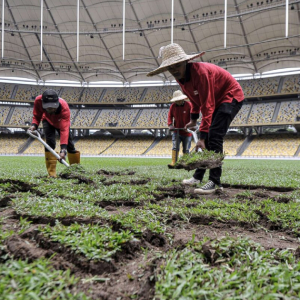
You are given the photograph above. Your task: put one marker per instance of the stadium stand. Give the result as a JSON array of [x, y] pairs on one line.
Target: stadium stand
[[116, 118], [291, 84], [122, 95], [130, 146], [73, 113], [241, 117], [4, 110], [21, 116], [152, 118], [36, 147], [232, 143], [10, 143], [85, 117], [6, 90], [261, 113], [91, 95], [161, 94], [164, 148], [273, 145], [93, 145], [71, 94], [30, 92], [247, 86], [265, 86], [288, 111]]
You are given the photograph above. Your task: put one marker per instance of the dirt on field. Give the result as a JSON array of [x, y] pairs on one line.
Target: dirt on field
[[131, 272]]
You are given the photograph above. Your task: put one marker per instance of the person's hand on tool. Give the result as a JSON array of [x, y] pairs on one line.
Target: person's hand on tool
[[62, 154], [200, 144], [171, 127], [192, 123], [32, 128]]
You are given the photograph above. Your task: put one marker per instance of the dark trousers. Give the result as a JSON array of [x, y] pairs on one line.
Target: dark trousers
[[221, 119], [50, 137]]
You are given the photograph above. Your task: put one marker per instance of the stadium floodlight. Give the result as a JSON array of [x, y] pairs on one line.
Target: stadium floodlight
[[225, 24], [2, 50]]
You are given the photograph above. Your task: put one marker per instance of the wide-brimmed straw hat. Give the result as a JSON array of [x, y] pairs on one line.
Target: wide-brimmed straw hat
[[171, 55], [178, 96]]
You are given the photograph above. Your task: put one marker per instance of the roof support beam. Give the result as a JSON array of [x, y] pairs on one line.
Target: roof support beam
[[62, 40], [20, 36], [148, 44], [245, 36], [190, 30], [45, 52], [103, 42]]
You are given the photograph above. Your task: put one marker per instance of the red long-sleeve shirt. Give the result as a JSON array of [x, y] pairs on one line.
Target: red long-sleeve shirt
[[60, 121], [181, 115], [208, 86]]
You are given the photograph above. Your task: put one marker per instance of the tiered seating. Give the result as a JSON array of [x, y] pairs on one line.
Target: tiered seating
[[288, 111], [164, 148], [71, 94], [30, 92], [4, 110], [37, 147], [122, 95], [153, 118], [6, 90], [93, 145], [130, 146], [91, 95], [160, 94], [241, 117], [247, 86], [262, 113], [73, 113], [85, 117], [10, 143], [232, 143], [265, 86], [117, 117], [291, 84], [20, 116], [273, 145]]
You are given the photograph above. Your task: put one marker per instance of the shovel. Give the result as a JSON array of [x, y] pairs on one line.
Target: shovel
[[195, 136], [36, 135]]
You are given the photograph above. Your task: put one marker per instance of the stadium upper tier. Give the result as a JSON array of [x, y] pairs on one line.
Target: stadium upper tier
[[252, 114], [162, 94]]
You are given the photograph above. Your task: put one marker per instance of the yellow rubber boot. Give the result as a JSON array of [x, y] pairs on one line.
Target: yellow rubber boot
[[51, 161], [74, 158], [174, 159]]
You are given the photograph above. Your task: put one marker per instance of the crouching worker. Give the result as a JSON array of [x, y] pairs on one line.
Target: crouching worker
[[54, 113], [178, 117]]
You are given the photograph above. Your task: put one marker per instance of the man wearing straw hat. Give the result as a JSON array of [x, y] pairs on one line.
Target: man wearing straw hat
[[178, 117], [213, 92]]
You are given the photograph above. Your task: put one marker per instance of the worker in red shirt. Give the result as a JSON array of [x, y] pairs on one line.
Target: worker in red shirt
[[213, 92], [54, 113], [178, 117]]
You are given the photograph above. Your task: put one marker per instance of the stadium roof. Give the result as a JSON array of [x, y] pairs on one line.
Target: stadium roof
[[255, 43]]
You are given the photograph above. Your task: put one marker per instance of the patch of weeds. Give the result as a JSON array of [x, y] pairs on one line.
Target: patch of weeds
[[228, 268]]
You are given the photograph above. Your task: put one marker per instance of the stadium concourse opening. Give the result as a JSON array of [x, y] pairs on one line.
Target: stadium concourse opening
[[118, 227]]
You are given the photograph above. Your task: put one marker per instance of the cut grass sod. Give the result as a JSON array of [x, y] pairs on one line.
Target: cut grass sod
[[228, 269]]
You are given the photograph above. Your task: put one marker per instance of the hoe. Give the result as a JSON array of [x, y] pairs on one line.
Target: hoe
[[36, 135]]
